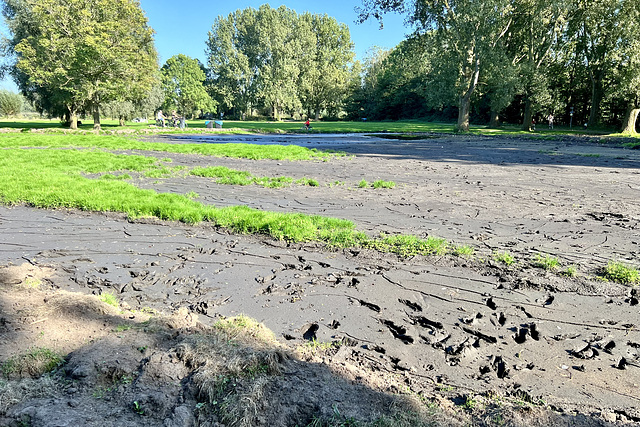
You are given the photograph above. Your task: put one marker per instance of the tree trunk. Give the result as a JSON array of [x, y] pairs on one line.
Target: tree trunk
[[463, 113], [317, 114], [526, 121], [96, 118], [597, 93], [494, 121], [629, 123], [465, 99], [73, 117]]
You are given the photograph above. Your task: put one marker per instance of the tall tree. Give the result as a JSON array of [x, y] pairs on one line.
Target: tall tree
[[82, 53], [183, 80], [467, 30], [537, 29], [325, 64]]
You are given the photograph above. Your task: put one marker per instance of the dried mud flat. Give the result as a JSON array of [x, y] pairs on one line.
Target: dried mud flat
[[445, 327]]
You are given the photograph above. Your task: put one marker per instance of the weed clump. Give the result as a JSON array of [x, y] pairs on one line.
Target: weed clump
[[620, 273]]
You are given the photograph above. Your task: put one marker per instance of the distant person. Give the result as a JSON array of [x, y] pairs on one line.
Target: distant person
[[174, 118], [550, 118], [533, 124], [160, 118], [307, 124]]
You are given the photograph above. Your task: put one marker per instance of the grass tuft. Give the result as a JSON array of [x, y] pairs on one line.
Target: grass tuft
[[504, 257], [33, 363], [546, 262], [621, 273]]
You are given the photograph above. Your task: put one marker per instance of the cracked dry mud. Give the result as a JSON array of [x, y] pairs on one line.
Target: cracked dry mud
[[468, 323]]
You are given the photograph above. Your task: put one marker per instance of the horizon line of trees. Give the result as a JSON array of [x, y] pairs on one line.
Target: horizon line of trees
[[487, 62]]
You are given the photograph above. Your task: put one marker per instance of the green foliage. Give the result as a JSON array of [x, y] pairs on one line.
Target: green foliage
[[363, 183], [80, 54], [183, 80], [546, 262], [109, 298], [224, 175], [383, 184], [277, 60], [620, 273], [10, 103], [504, 257], [463, 251], [406, 246]]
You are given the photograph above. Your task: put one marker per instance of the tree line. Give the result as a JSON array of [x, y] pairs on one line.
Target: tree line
[[488, 62], [575, 59]]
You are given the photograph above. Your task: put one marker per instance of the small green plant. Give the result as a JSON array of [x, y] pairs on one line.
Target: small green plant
[[318, 345], [109, 298], [463, 251], [192, 195], [122, 328], [621, 273], [137, 408], [363, 183], [469, 403], [504, 257], [383, 184], [32, 282], [308, 182], [546, 262], [570, 271]]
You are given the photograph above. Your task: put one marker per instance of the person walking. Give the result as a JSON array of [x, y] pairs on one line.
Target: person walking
[[160, 118], [550, 118]]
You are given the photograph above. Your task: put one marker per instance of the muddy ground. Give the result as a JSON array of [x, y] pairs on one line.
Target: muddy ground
[[440, 326]]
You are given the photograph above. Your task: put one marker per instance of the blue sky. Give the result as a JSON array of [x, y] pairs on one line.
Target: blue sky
[[182, 26], [184, 29]]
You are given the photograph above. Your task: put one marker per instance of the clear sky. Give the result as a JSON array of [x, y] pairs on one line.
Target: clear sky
[[182, 26]]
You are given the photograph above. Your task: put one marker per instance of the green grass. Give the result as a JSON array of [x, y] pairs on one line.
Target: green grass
[[399, 127], [363, 184], [406, 246], [546, 262], [621, 273], [383, 184], [33, 363], [109, 298], [56, 178], [235, 150], [504, 257], [463, 251], [224, 175]]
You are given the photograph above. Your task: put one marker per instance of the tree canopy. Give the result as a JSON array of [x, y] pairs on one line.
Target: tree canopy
[[524, 59], [278, 61], [80, 54], [183, 81]]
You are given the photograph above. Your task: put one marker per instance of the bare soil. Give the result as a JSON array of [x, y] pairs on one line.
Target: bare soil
[[554, 350]]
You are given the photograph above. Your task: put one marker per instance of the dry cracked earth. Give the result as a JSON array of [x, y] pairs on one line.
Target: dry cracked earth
[[468, 324]]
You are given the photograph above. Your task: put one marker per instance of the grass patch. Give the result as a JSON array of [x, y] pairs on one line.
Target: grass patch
[[504, 257], [363, 184], [570, 271], [406, 246], [463, 251], [621, 273], [109, 298], [33, 363], [383, 184], [546, 262], [234, 150], [224, 175]]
